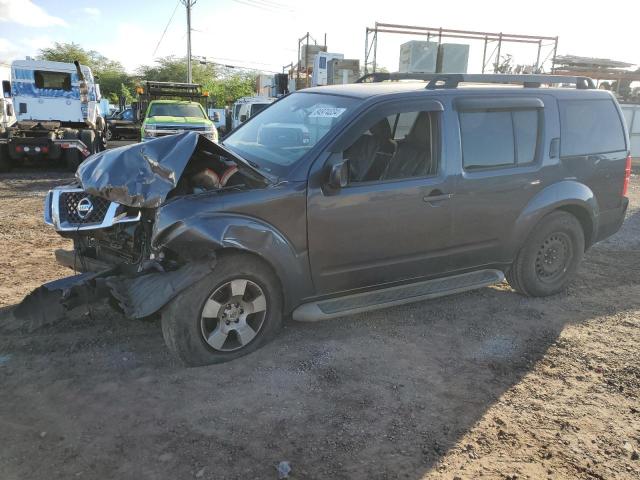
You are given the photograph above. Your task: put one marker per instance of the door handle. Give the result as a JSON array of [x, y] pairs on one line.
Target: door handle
[[435, 197]]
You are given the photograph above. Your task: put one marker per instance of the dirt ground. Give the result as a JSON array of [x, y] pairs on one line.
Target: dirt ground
[[486, 384]]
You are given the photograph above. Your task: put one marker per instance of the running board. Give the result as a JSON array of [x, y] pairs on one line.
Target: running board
[[398, 295]]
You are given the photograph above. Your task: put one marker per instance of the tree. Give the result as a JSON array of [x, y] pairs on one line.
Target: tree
[[174, 69], [110, 74], [225, 85]]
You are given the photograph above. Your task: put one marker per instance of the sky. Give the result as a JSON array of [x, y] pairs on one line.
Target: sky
[[263, 34]]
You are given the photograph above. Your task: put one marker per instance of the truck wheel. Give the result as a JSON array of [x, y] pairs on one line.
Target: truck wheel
[[5, 161], [550, 257], [232, 312], [88, 137], [109, 134]]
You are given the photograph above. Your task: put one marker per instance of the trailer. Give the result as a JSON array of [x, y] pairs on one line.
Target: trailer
[[56, 106]]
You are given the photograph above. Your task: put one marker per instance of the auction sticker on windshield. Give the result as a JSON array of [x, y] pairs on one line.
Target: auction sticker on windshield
[[327, 112]]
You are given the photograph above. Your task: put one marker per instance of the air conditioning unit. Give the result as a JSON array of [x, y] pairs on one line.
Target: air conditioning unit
[[320, 67], [453, 58], [343, 71], [418, 57]]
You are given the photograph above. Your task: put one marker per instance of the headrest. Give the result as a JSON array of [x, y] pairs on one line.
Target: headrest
[[381, 130]]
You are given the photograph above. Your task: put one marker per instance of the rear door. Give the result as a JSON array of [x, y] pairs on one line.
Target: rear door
[[383, 227], [502, 142]]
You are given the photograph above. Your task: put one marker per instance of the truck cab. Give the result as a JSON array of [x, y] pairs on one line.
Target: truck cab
[[56, 108]]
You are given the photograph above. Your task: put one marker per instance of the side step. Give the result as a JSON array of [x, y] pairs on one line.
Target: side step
[[398, 295]]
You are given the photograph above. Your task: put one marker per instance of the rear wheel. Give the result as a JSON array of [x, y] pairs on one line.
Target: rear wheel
[[550, 257], [230, 313], [88, 137]]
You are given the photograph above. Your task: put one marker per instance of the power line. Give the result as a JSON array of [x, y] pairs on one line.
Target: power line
[[165, 28]]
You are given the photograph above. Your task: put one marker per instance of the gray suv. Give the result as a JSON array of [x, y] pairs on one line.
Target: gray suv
[[343, 199]]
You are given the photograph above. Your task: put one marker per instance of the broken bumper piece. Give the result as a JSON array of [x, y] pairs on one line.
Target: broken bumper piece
[[137, 296]]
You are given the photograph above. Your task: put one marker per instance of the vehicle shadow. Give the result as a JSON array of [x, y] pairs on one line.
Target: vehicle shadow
[[379, 395]]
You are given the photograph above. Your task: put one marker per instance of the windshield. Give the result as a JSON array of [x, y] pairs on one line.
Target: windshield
[[289, 128], [175, 110]]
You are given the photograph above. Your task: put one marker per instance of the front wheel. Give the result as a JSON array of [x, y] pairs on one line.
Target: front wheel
[[550, 257], [232, 312]]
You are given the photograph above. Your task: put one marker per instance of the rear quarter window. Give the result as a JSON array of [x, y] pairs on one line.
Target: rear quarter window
[[589, 127]]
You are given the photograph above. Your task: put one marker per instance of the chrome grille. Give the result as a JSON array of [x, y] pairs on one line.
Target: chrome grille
[[69, 212], [71, 209]]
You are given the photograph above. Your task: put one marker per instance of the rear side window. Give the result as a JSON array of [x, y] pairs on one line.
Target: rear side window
[[52, 80], [498, 138], [590, 127]]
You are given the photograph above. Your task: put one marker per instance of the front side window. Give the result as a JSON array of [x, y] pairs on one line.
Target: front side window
[[501, 138], [590, 127], [398, 146], [52, 80], [289, 128]]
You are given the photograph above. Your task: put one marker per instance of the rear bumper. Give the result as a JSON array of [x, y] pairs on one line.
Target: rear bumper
[[41, 147], [610, 221]]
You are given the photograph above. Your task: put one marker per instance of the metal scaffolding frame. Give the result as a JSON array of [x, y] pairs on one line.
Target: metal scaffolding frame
[[371, 42]]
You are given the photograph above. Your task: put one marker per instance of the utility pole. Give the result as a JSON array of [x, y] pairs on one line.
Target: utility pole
[[188, 4]]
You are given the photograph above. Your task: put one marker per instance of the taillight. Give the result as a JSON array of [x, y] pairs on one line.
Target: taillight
[[627, 176], [19, 148]]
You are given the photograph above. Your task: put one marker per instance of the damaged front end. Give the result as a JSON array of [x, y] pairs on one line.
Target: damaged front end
[[109, 215]]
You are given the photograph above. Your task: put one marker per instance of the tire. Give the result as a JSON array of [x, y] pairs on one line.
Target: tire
[[109, 134], [550, 257], [72, 157], [5, 161], [211, 309], [88, 137]]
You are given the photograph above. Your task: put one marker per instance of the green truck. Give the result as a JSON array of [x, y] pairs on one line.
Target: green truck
[[167, 108]]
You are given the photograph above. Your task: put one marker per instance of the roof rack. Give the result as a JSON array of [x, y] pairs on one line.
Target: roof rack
[[451, 80]]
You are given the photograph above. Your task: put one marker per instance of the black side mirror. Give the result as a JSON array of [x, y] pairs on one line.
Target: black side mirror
[[9, 110], [243, 118], [339, 175]]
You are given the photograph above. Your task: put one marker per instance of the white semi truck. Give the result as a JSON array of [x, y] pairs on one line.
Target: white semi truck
[[56, 106]]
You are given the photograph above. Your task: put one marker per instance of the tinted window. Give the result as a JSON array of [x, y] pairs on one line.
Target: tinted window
[[589, 127], [52, 80], [487, 139], [401, 124], [525, 126], [377, 156]]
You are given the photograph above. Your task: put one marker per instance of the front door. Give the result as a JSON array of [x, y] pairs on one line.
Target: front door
[[392, 221]]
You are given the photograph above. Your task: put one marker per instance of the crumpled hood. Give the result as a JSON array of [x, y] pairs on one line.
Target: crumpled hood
[[142, 175]]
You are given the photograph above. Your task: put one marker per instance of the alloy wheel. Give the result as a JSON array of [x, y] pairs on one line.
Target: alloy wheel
[[233, 315]]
